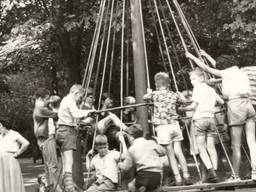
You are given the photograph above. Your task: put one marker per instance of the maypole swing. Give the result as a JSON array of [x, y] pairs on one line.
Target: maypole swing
[[102, 59]]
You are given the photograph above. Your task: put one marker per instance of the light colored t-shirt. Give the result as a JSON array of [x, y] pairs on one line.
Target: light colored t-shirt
[[69, 112], [106, 166], [145, 155], [206, 98], [235, 82], [11, 141]]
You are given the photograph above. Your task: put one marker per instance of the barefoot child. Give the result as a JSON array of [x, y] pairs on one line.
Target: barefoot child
[[105, 165], [167, 127], [204, 100], [241, 114], [66, 134], [145, 156]]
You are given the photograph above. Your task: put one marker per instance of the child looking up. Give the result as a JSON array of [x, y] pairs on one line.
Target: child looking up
[[204, 100], [166, 125], [105, 165]]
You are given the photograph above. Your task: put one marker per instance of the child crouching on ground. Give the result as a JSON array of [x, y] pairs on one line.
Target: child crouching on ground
[[145, 156], [204, 100], [105, 165], [167, 127]]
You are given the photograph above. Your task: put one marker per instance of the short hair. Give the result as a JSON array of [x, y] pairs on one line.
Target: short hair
[[129, 100], [5, 122], [41, 93], [198, 72], [135, 131], [55, 101], [76, 88], [225, 61], [162, 75], [101, 140]]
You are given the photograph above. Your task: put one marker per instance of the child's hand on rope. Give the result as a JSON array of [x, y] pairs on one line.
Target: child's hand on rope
[[149, 91], [189, 55], [90, 154], [203, 53]]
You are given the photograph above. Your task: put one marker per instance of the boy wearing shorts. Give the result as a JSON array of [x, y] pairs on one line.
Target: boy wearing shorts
[[105, 163], [240, 111], [145, 156], [66, 134], [204, 99], [166, 125]]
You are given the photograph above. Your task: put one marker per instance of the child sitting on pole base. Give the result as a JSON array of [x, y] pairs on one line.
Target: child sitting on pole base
[[167, 126], [204, 99], [145, 156], [241, 114], [105, 163], [66, 134]]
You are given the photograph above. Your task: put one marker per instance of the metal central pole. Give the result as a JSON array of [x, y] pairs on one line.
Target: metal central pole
[[139, 62]]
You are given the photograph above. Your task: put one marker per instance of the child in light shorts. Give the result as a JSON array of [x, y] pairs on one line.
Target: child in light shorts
[[166, 125]]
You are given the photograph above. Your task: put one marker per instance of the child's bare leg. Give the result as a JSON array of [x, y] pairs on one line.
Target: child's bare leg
[[173, 162], [236, 140], [203, 152], [68, 161], [182, 161], [250, 137], [212, 152]]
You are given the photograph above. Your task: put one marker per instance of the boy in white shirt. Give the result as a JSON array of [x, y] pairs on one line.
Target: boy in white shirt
[[105, 163], [66, 134], [241, 114], [204, 100]]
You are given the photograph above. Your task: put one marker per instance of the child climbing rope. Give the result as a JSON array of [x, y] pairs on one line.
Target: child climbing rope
[[166, 125], [204, 100]]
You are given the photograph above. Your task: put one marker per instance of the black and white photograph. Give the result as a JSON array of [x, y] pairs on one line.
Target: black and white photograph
[[127, 95]]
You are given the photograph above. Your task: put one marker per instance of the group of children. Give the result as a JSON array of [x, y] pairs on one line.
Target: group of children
[[146, 154]]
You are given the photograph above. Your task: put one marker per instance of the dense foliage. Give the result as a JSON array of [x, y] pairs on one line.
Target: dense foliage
[[46, 44]]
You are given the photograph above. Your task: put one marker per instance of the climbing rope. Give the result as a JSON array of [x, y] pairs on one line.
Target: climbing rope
[[158, 36], [179, 31], [101, 49], [173, 45], [166, 46], [92, 44], [112, 51]]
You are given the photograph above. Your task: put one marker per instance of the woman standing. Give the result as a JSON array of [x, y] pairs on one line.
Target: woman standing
[[12, 144]]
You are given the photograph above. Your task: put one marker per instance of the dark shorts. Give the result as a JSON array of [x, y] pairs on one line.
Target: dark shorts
[[150, 180], [66, 138], [205, 127]]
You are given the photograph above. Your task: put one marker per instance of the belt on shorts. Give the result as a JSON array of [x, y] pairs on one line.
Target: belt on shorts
[[238, 97], [66, 126]]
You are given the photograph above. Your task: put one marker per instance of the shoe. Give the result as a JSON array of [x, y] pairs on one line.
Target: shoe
[[188, 181], [179, 183], [211, 176], [233, 178], [253, 175]]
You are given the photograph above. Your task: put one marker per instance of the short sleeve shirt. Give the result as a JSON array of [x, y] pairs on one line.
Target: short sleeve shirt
[[206, 98], [164, 107], [235, 82], [9, 142], [106, 166]]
